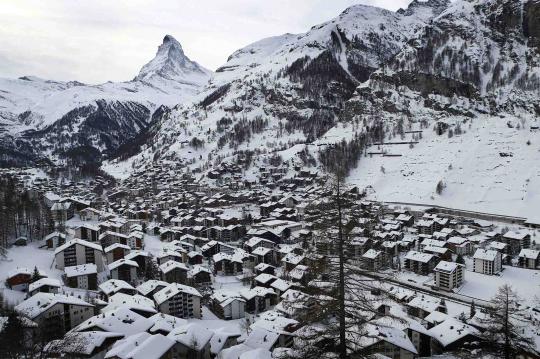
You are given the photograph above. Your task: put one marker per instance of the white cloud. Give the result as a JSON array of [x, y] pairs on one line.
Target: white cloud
[[99, 40]]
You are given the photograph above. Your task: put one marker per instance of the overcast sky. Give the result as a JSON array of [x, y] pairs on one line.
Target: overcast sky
[[99, 40]]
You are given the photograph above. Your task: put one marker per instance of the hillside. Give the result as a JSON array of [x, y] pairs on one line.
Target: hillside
[[283, 90]]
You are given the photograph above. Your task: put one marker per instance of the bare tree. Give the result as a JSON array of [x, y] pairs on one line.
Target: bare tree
[[342, 288], [505, 326]]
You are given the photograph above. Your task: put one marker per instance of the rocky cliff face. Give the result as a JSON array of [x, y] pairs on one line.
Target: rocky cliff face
[[476, 57]]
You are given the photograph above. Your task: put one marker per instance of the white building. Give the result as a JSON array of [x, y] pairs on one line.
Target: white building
[[55, 313], [179, 300], [448, 275], [487, 261], [77, 252]]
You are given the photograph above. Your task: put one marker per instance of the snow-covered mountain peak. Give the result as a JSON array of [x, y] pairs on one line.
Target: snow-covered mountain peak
[[171, 63]]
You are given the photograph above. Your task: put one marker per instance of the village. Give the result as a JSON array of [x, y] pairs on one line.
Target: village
[[169, 264]]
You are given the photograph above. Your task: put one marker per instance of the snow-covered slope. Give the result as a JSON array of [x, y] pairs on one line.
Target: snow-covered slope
[[30, 107], [285, 89]]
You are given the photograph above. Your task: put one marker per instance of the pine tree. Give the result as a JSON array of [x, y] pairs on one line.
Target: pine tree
[[472, 310], [35, 276]]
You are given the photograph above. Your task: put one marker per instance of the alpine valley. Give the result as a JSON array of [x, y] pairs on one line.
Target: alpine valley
[[456, 83]]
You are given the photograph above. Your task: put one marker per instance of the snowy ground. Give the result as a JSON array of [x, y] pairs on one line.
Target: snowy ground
[[26, 257], [525, 282], [476, 176]]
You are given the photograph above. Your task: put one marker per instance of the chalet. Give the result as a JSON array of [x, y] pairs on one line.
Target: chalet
[[179, 300], [448, 275], [385, 340], [124, 269], [140, 257], [87, 231], [291, 260], [109, 238], [142, 345], [55, 239], [135, 240], [425, 226], [502, 247], [440, 252], [227, 305], [44, 285], [357, 246], [90, 214], [453, 335], [173, 272], [55, 313], [20, 278], [421, 263], [255, 242], [62, 211], [199, 276], [167, 255], [116, 251], [264, 268], [96, 345], [222, 339], [113, 286], [136, 303], [264, 255], [295, 303], [487, 261], [517, 241], [529, 258], [76, 252], [83, 276], [195, 258], [191, 341], [258, 299], [421, 306], [459, 245], [300, 274], [151, 287], [373, 260], [232, 264]]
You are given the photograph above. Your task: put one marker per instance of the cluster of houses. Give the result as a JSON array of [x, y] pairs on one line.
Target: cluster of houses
[[165, 252]]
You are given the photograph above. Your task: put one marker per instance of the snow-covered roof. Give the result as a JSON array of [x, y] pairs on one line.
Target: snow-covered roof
[[529, 253], [171, 265], [165, 322], [81, 242], [141, 346], [447, 267], [173, 289], [150, 285], [116, 245], [451, 330], [485, 254], [82, 269], [114, 285], [81, 342], [191, 335], [371, 254], [220, 337], [121, 262], [121, 320], [134, 302], [51, 282], [418, 256], [515, 235], [41, 302]]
